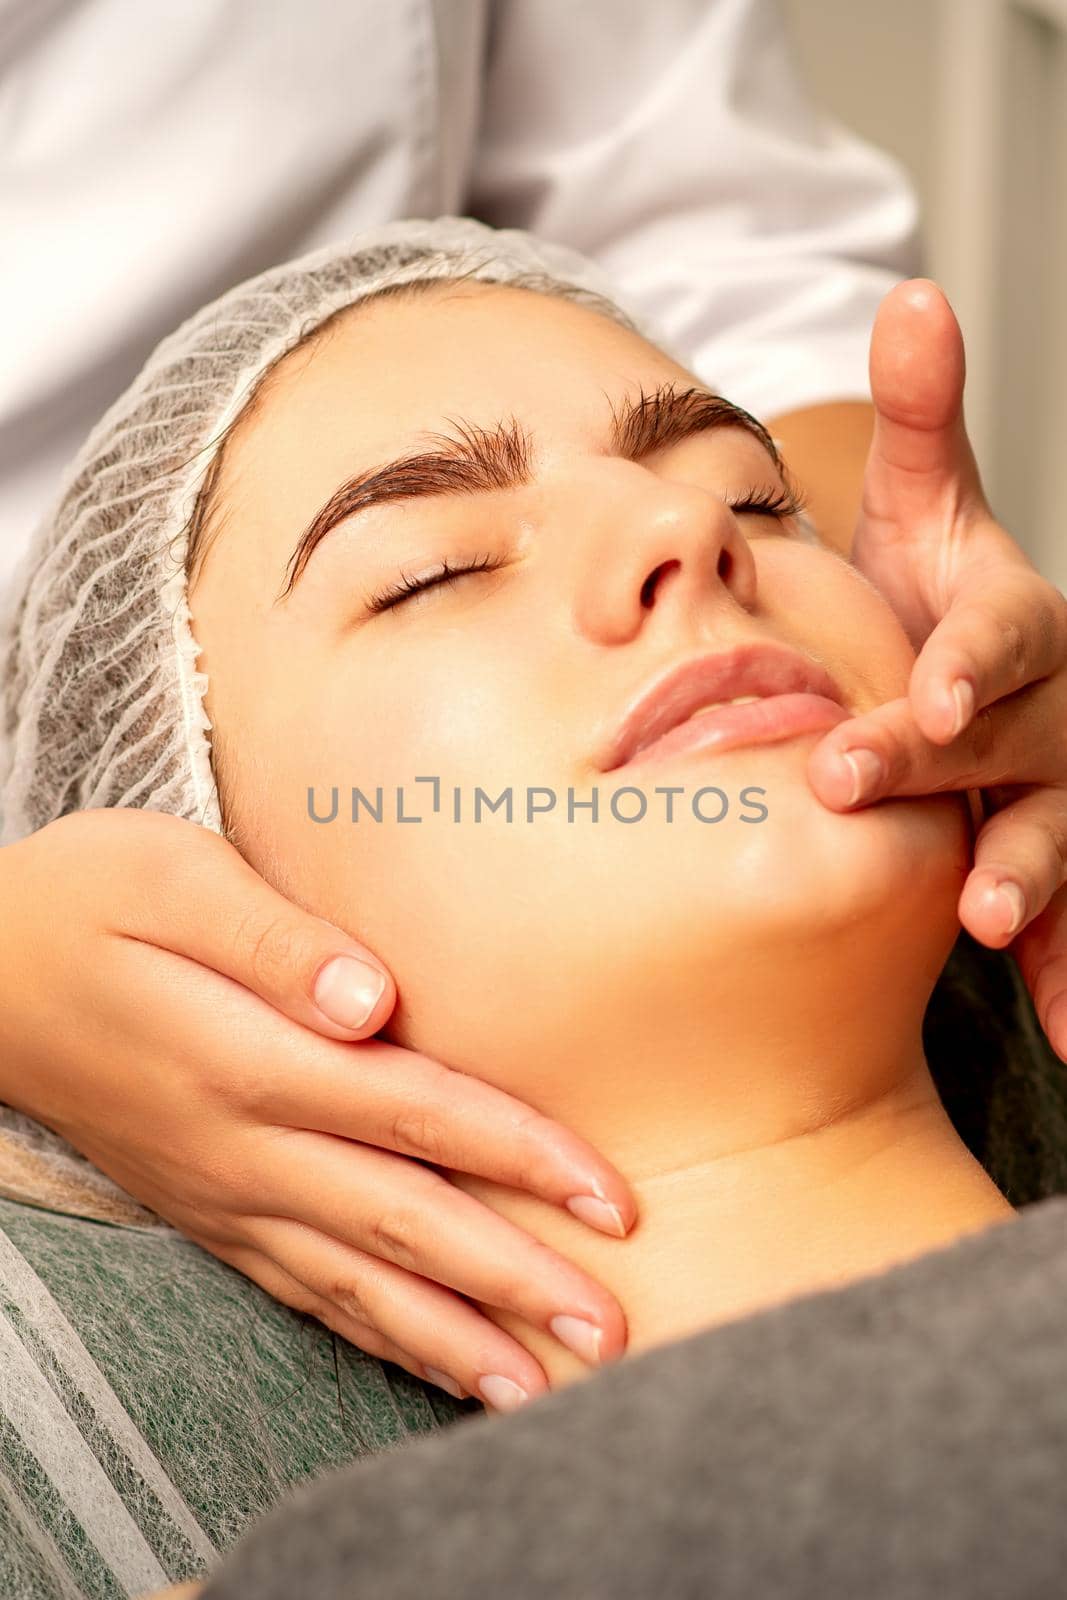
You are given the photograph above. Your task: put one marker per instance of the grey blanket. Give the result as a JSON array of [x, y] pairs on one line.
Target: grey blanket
[[904, 1437]]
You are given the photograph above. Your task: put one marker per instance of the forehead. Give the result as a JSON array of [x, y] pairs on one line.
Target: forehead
[[476, 349]]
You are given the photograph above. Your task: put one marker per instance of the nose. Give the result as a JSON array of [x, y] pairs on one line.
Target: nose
[[657, 546]]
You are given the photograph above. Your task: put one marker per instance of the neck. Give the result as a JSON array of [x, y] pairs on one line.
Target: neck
[[774, 1151]]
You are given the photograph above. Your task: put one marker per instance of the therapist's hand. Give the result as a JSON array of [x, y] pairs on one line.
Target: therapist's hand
[[192, 1033], [987, 702]]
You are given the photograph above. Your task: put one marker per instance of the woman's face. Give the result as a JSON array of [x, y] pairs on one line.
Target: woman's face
[[596, 573]]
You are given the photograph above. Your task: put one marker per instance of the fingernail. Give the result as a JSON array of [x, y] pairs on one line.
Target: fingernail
[[1009, 901], [347, 991], [598, 1214], [867, 772], [501, 1393], [962, 697], [580, 1336], [443, 1381]]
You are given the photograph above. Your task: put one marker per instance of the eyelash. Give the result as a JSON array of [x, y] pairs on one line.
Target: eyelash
[[777, 503], [447, 573]]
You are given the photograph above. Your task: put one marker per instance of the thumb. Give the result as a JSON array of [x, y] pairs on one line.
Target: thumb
[[215, 909], [921, 465]]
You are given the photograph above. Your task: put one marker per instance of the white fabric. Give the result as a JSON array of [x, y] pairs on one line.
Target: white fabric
[[154, 154]]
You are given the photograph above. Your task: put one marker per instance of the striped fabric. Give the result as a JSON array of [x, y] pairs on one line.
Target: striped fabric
[[153, 1403]]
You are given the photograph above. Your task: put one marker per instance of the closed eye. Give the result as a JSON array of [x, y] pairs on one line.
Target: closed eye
[[776, 503], [446, 572]]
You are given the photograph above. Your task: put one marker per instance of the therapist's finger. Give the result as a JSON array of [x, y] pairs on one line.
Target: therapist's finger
[[400, 1100], [1041, 953], [409, 1215], [1019, 740], [434, 1333], [1020, 863], [281, 1285], [1001, 632], [186, 889]]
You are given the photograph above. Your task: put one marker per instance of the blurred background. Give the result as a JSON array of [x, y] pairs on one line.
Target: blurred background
[[971, 97]]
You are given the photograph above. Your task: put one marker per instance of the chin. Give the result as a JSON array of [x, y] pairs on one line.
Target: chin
[[900, 853], [801, 872]]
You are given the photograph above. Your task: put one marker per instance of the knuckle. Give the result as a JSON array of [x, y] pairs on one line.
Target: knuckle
[[537, 1139], [394, 1237], [70, 831], [1056, 836], [524, 1172], [224, 1181], [514, 1293], [534, 1279], [350, 1297], [1013, 644], [299, 1299], [1034, 842], [247, 1091], [417, 1132], [983, 735], [87, 842], [1050, 619], [521, 1167], [232, 1089], [273, 950], [144, 833], [533, 1128]]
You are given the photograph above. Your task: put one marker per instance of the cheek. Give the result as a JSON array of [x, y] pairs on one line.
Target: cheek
[[872, 641], [376, 720], [821, 603], [462, 704], [428, 708]]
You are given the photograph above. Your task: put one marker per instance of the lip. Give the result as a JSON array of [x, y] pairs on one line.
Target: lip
[[798, 696]]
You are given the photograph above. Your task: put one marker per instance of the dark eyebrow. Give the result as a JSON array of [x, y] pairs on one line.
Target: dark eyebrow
[[483, 459]]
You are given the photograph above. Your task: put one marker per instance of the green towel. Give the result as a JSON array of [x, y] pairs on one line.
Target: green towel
[[153, 1403]]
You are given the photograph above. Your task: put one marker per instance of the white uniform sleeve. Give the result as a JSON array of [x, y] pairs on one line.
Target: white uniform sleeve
[[673, 142]]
